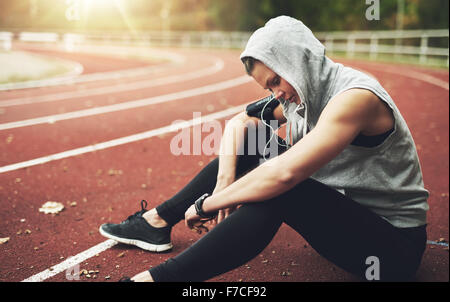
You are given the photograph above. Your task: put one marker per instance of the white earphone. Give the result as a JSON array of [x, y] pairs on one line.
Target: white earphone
[[272, 130]]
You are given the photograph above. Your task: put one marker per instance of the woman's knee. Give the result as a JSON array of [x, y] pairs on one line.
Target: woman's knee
[[261, 214]]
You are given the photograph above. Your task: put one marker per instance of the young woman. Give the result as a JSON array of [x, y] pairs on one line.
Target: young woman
[[347, 179]]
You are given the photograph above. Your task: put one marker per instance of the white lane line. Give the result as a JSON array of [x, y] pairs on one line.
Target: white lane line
[[71, 262], [418, 76], [129, 105], [427, 78], [97, 249], [70, 80], [100, 76], [218, 66], [121, 141], [75, 70]]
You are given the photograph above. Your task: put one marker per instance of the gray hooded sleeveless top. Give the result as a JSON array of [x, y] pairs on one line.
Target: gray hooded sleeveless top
[[387, 178]]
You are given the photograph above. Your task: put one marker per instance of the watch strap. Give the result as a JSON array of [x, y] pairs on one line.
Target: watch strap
[[199, 207]]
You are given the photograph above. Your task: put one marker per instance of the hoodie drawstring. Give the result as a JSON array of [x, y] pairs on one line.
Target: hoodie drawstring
[[292, 127]]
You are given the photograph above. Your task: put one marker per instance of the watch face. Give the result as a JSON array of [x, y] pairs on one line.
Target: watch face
[[199, 207]]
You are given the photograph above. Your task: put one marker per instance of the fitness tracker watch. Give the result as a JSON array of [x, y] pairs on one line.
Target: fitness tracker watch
[[199, 208]]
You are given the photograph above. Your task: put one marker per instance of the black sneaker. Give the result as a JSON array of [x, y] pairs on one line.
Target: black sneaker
[[135, 230]]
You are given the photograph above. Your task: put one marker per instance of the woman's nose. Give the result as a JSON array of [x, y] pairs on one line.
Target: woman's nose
[[278, 94]]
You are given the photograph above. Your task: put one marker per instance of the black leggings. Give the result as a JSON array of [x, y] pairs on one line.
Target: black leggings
[[338, 228]]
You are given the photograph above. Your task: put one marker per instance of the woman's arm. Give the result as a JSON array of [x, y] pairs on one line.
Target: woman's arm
[[343, 118], [232, 139]]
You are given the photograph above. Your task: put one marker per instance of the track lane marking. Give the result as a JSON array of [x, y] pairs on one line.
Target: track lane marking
[[120, 141], [98, 76], [71, 261], [218, 66], [91, 77], [416, 75], [129, 105]]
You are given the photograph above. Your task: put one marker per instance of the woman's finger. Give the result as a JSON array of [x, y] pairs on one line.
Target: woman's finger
[[220, 216], [228, 211]]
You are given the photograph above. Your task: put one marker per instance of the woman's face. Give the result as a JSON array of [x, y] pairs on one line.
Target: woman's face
[[268, 79]]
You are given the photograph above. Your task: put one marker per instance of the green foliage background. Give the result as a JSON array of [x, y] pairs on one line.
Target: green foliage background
[[229, 15]]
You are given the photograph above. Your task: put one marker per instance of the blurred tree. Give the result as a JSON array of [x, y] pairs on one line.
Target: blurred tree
[[432, 14], [243, 15], [226, 15], [319, 15]]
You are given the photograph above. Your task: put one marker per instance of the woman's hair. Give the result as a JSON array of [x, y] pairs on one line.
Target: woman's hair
[[249, 63]]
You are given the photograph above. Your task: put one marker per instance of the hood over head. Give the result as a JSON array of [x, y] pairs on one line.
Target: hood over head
[[290, 49]]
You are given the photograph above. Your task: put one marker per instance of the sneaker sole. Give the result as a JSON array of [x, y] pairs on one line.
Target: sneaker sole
[[141, 244]]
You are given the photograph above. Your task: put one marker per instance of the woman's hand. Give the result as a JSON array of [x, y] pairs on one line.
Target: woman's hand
[[191, 218], [223, 213], [193, 221]]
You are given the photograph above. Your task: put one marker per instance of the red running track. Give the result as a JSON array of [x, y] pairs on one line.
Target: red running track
[[146, 169]]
